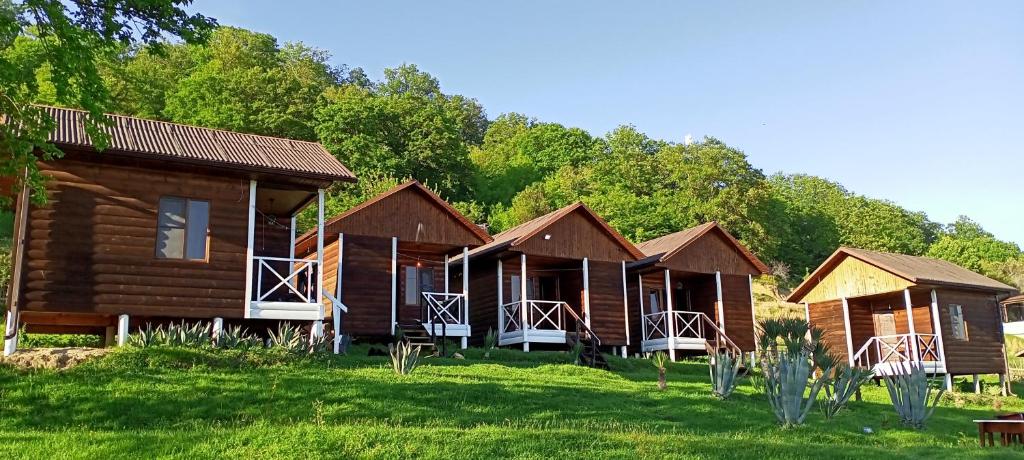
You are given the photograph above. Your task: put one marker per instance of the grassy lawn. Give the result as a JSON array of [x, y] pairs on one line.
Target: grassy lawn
[[164, 402]]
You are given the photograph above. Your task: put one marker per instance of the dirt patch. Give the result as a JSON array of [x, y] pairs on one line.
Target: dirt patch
[[54, 358]]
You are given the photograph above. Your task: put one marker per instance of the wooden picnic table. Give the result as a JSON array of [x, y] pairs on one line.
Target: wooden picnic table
[[1008, 430]]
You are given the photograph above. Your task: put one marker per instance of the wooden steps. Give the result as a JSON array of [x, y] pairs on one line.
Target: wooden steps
[[414, 334]]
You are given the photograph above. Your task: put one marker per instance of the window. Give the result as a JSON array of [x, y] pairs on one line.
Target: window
[[417, 281], [654, 300], [515, 287], [956, 320], [1015, 312], [182, 228]]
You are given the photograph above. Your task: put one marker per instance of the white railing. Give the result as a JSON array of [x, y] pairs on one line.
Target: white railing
[[899, 348], [298, 285], [686, 324], [448, 308], [546, 315], [337, 308]]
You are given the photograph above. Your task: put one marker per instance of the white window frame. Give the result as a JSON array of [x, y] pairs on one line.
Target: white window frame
[[185, 229]]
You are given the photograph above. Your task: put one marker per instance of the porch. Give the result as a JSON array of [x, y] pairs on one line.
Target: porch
[[889, 332], [688, 316]]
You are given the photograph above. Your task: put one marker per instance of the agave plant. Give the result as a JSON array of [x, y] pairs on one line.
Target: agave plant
[[725, 370], [146, 337], [237, 337], [287, 336], [659, 359], [490, 341], [792, 352], [911, 395], [188, 335], [844, 382], [404, 357]]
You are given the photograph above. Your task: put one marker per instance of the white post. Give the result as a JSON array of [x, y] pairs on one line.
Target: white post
[[807, 312], [394, 283], [977, 384], [1002, 385], [524, 315], [624, 353], [720, 304], [122, 330], [586, 291], [465, 289], [336, 315], [501, 297], [937, 328], [291, 245], [625, 306], [643, 317], [319, 293], [849, 336], [910, 326], [316, 331], [249, 247], [11, 332], [217, 330], [446, 291], [670, 317], [753, 316]]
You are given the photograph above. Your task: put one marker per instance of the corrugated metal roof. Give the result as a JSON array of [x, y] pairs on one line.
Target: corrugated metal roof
[[202, 145]]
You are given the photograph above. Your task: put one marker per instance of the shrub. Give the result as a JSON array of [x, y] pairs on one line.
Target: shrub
[[843, 383], [404, 357], [791, 352], [237, 337], [659, 359], [910, 393], [490, 341], [725, 369]]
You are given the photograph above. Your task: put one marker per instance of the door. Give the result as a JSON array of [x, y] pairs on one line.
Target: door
[[415, 281], [885, 327]]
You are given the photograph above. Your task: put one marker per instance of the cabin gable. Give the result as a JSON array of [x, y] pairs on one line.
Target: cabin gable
[[410, 215], [852, 277], [575, 236], [711, 252]]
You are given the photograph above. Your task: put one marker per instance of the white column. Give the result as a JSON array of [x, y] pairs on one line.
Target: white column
[[807, 312], [122, 330], [720, 305], [524, 304], [670, 317], [317, 330], [910, 326], [446, 291], [849, 336], [217, 330], [339, 268], [977, 384], [625, 305], [753, 316], [586, 291], [643, 318], [319, 293], [11, 332], [937, 327], [465, 290], [501, 297], [394, 283], [249, 247], [291, 245]]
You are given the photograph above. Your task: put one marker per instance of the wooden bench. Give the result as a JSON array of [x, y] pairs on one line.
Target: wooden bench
[[1009, 429]]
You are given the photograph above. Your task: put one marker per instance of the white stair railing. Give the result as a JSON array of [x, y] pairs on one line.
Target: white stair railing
[[337, 308], [298, 285], [444, 307]]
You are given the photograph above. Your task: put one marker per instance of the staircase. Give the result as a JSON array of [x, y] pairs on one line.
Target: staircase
[[414, 334], [590, 343]]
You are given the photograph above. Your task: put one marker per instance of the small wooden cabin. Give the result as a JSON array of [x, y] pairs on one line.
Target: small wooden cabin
[[169, 222], [1013, 315], [386, 263], [882, 310], [711, 277], [549, 276]]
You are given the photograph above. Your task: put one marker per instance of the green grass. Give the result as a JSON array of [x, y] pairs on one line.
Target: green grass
[[181, 403]]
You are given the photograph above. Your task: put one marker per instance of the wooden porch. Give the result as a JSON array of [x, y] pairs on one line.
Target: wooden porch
[[889, 332]]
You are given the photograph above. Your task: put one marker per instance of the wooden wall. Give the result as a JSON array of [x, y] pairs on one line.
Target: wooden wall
[[710, 253], [982, 353], [739, 318], [607, 316], [91, 249], [366, 285], [828, 316], [575, 236], [854, 278]]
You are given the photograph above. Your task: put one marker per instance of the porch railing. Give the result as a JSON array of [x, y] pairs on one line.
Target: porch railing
[[898, 348], [540, 315], [289, 280], [448, 308], [688, 325]]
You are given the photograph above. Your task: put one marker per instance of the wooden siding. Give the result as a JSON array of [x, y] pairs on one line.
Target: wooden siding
[[739, 318], [710, 253], [483, 298], [607, 317], [853, 278], [91, 249], [828, 316], [410, 216], [575, 237], [982, 352], [366, 285]]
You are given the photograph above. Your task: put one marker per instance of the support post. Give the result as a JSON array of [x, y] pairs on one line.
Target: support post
[[319, 293], [643, 317], [849, 336], [501, 298], [910, 326], [586, 291], [807, 313], [670, 317], [720, 304], [122, 330], [217, 330], [465, 291], [11, 333], [948, 381], [446, 260], [753, 316], [524, 314], [977, 384], [110, 336], [625, 305], [394, 283], [14, 286], [1002, 385], [937, 327], [339, 271], [249, 249]]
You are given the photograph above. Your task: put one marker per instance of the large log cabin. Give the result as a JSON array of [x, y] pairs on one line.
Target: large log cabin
[[169, 221], [549, 277], [387, 261], [711, 277], [882, 311]]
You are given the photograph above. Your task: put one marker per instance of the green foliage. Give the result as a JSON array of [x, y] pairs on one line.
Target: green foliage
[[404, 357], [659, 359], [911, 395], [725, 369], [237, 337], [967, 244], [188, 335], [795, 362], [844, 382], [490, 342]]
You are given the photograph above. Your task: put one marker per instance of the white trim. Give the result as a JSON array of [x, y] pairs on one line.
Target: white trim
[[501, 296], [669, 308], [217, 329], [446, 291], [640, 289], [807, 312], [625, 306], [721, 304], [338, 268], [251, 242], [319, 252], [937, 328], [316, 331], [465, 289], [910, 323], [523, 313], [394, 283], [586, 291], [849, 336], [122, 330], [291, 246], [753, 313]]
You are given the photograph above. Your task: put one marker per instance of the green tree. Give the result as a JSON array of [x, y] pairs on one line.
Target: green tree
[[967, 244], [65, 41]]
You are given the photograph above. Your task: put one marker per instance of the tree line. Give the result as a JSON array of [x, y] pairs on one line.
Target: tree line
[[501, 170]]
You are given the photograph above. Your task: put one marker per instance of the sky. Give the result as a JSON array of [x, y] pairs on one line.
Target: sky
[[917, 102]]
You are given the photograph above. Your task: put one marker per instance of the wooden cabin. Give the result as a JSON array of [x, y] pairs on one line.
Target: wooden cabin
[[387, 263], [1013, 315], [552, 276], [711, 277], [882, 311], [170, 221]]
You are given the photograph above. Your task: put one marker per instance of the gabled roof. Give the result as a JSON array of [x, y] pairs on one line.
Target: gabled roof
[[915, 269], [523, 232], [1013, 299], [204, 146], [665, 247], [412, 185]]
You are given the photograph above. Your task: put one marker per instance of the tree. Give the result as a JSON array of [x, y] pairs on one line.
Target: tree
[[967, 244], [65, 40]]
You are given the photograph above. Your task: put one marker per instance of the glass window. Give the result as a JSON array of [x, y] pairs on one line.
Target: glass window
[[956, 320], [1014, 312], [412, 294], [515, 288], [182, 228]]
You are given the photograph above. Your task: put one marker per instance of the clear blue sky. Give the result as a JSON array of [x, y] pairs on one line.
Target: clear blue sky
[[919, 102]]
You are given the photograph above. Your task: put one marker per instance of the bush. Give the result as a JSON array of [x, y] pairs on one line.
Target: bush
[[404, 357]]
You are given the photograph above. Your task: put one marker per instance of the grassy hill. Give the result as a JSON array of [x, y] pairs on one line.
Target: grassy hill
[[164, 402]]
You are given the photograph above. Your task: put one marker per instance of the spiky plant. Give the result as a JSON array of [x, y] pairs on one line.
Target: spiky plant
[[146, 337], [490, 341], [577, 352], [287, 337], [235, 337], [404, 357], [911, 394], [659, 359], [791, 353], [843, 384], [725, 369], [188, 334]]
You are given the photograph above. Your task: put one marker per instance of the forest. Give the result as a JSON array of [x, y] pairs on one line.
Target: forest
[[499, 169]]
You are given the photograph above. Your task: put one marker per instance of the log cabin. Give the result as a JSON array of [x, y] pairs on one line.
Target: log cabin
[[543, 281], [387, 261], [168, 222], [1013, 316], [711, 298], [882, 311]]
